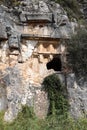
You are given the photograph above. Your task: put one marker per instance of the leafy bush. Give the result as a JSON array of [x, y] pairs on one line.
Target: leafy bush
[[30, 122], [26, 120], [1, 121], [77, 49], [57, 95]]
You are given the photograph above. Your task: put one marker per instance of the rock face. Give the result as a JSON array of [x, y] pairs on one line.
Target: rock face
[[30, 39], [3, 34], [3, 96], [77, 96]]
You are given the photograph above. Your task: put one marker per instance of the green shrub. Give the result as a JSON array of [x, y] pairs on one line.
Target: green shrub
[[77, 49], [26, 120], [57, 95], [1, 120]]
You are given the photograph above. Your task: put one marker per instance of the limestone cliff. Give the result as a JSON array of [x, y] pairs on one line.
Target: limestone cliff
[[30, 49]]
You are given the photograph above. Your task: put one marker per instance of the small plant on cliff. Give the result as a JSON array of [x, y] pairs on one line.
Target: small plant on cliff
[[57, 95], [10, 3]]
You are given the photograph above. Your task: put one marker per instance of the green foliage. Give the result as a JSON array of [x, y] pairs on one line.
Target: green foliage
[[1, 120], [27, 112], [57, 95], [26, 120], [77, 58], [10, 3], [72, 8]]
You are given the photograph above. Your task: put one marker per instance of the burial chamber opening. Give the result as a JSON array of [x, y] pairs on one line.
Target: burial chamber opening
[[55, 64]]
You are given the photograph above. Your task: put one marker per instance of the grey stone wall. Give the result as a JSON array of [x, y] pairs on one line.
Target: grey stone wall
[[17, 92]]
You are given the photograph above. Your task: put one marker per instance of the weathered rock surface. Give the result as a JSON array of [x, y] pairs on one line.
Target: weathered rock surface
[[16, 92], [29, 39], [3, 34], [3, 95], [77, 96]]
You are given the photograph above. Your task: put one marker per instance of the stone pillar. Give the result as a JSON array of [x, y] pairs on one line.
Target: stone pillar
[[41, 58], [35, 65], [51, 48], [41, 104], [41, 47]]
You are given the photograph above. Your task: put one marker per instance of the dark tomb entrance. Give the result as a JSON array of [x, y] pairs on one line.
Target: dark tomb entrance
[[55, 64]]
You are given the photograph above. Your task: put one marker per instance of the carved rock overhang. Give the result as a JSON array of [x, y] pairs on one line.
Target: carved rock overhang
[[35, 37], [36, 17]]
